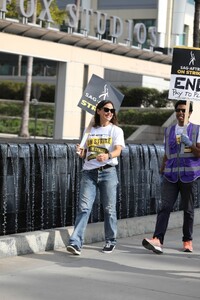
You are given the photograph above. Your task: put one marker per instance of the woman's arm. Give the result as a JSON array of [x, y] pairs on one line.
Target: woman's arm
[[114, 153], [80, 151]]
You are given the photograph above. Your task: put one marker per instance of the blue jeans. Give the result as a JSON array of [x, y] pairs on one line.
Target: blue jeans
[[106, 181]]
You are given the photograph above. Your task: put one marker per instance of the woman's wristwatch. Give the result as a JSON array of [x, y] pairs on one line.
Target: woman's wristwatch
[[110, 155]]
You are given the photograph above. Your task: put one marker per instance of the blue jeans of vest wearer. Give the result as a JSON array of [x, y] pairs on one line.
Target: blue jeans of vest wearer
[[106, 181], [169, 195]]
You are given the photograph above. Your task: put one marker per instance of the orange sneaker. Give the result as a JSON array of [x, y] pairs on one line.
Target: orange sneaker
[[153, 245], [187, 246]]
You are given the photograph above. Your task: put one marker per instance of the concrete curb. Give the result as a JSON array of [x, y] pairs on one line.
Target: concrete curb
[[39, 241]]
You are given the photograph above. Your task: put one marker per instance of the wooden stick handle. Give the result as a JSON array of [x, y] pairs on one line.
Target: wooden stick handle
[[185, 123], [87, 132]]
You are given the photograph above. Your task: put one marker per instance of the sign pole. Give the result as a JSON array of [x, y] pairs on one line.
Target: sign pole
[[186, 114], [185, 123]]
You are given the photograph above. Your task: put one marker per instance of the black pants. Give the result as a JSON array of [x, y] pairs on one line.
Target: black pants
[[169, 195]]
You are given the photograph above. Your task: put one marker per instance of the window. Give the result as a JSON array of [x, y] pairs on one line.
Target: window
[[183, 38], [148, 23], [127, 4]]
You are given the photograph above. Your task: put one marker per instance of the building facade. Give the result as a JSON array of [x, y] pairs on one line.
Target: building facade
[[173, 22], [131, 21], [102, 45], [153, 25]]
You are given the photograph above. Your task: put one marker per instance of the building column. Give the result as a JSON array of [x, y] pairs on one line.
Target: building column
[[69, 89]]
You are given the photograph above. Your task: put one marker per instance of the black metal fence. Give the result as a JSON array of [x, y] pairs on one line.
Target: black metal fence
[[39, 185]]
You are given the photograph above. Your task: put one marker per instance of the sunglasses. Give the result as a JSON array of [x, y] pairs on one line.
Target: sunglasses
[[106, 109], [180, 110]]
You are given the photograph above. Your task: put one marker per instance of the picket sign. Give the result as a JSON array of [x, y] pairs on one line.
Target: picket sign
[[185, 80], [97, 90]]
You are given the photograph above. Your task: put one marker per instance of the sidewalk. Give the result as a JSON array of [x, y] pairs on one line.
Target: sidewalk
[[130, 272], [52, 239]]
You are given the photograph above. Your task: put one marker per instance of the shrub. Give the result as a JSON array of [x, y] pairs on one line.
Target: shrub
[[47, 93], [15, 109], [11, 90], [15, 91], [12, 126], [141, 96], [155, 117], [128, 130]]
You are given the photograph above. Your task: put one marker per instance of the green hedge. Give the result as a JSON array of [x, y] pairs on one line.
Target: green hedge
[[11, 90], [12, 126], [128, 118], [134, 97], [128, 130], [155, 117], [43, 111], [142, 96], [10, 118], [15, 91]]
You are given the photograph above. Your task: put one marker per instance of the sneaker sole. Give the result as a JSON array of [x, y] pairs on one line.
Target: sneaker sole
[[187, 250], [104, 251], [73, 251], [149, 246]]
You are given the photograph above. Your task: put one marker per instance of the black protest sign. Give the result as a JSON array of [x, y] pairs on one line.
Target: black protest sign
[[97, 90], [185, 74]]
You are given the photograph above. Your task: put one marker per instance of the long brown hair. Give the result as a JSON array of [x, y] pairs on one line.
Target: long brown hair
[[100, 105]]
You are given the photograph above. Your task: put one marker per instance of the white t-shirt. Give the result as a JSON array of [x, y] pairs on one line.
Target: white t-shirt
[[179, 131], [102, 140]]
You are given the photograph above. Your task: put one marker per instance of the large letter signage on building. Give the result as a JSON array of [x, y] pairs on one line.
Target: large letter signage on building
[[138, 32], [116, 26]]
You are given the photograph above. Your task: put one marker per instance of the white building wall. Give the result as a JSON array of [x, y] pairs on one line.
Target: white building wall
[[162, 22], [189, 21], [158, 83]]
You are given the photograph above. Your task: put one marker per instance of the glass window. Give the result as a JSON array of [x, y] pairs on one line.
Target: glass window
[[190, 2], [62, 3], [148, 23], [183, 38], [106, 35], [126, 4]]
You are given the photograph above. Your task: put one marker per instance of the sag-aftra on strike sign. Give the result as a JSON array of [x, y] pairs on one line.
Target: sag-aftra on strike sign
[[185, 74], [97, 90]]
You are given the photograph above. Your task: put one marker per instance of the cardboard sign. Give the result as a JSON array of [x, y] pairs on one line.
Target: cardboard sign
[[97, 90], [185, 74]]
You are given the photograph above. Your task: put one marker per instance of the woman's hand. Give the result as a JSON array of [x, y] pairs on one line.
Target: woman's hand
[[80, 151], [102, 157]]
